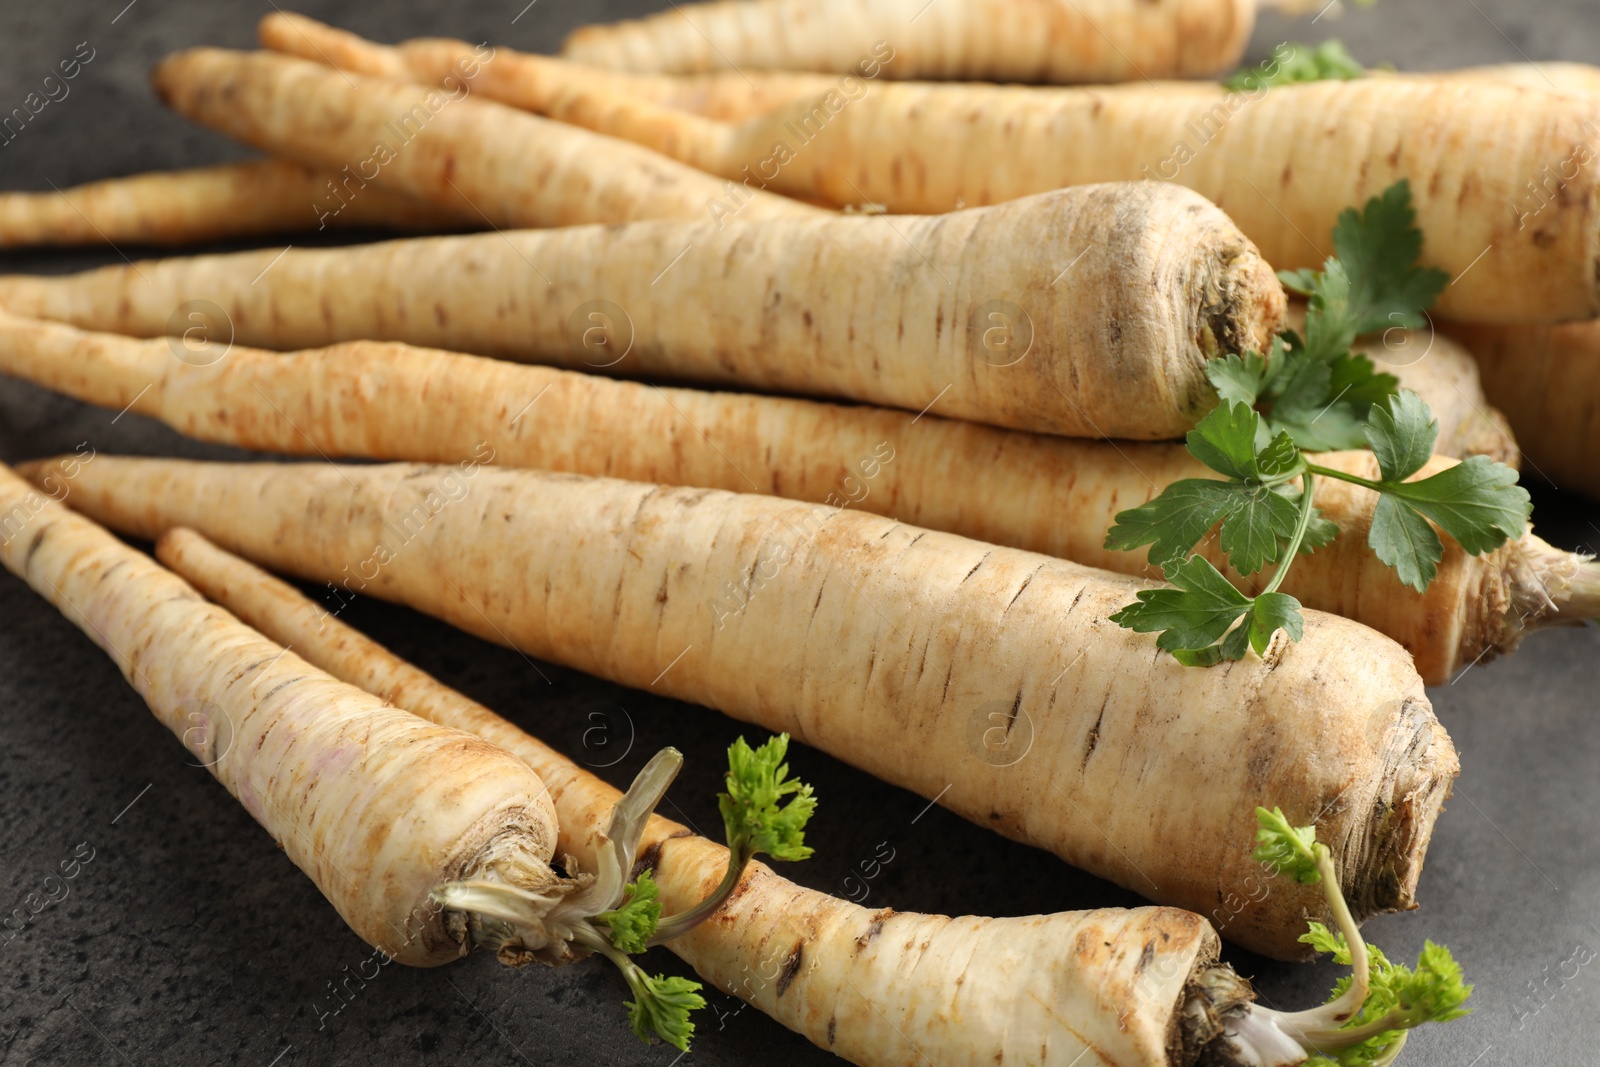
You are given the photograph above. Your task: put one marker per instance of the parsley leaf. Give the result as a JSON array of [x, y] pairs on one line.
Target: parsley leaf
[[1477, 501], [1323, 392], [661, 1005], [1289, 850], [1311, 393], [1241, 379], [634, 922], [1191, 616], [1298, 63], [1225, 440], [1256, 518], [1270, 613], [1399, 998], [1254, 531], [1197, 619], [1174, 522], [1402, 434], [756, 822], [1378, 250], [1402, 539]]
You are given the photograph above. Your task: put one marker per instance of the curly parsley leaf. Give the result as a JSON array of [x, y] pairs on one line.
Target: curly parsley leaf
[[1399, 999], [634, 922], [662, 1006], [1288, 850], [756, 819]]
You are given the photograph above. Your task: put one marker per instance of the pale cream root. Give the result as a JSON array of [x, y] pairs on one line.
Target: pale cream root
[[1088, 312], [440, 145], [981, 40], [212, 204], [1547, 381], [1031, 990], [1041, 493], [376, 806], [915, 637]]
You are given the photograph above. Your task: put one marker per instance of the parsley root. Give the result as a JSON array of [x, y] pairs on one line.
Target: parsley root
[[1044, 494], [211, 204], [1258, 154], [516, 78], [918, 638], [376, 806], [430, 842], [1547, 381], [1147, 283], [1034, 990], [468, 156], [976, 40]]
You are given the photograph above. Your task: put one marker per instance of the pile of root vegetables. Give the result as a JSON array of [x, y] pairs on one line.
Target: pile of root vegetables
[[737, 356]]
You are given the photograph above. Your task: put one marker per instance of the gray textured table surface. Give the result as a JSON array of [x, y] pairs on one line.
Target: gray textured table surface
[[189, 939]]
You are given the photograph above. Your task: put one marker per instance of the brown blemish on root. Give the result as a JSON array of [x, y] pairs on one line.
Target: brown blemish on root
[[650, 858], [791, 967], [873, 929]]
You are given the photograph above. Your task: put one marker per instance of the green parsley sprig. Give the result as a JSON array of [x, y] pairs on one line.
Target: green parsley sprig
[[1292, 63], [1312, 393], [1367, 1018], [605, 914], [757, 821]]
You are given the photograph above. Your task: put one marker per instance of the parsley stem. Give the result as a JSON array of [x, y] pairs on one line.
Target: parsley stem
[[1292, 550], [1329, 472], [671, 926]]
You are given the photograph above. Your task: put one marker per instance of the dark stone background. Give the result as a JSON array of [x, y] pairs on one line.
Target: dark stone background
[[188, 939]]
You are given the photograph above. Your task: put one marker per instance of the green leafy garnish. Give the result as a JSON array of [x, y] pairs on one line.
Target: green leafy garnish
[[1364, 1023], [1477, 501], [1205, 620], [1288, 850], [1321, 392], [756, 822], [1312, 393], [1298, 63], [633, 924], [662, 1006], [1399, 998]]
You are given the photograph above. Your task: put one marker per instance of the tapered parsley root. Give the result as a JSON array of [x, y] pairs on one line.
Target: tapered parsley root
[[213, 203], [1544, 75], [441, 146], [377, 807], [1041, 493], [1140, 988], [430, 842], [1283, 162], [515, 78], [1124, 292], [977, 40], [918, 639], [1547, 380]]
